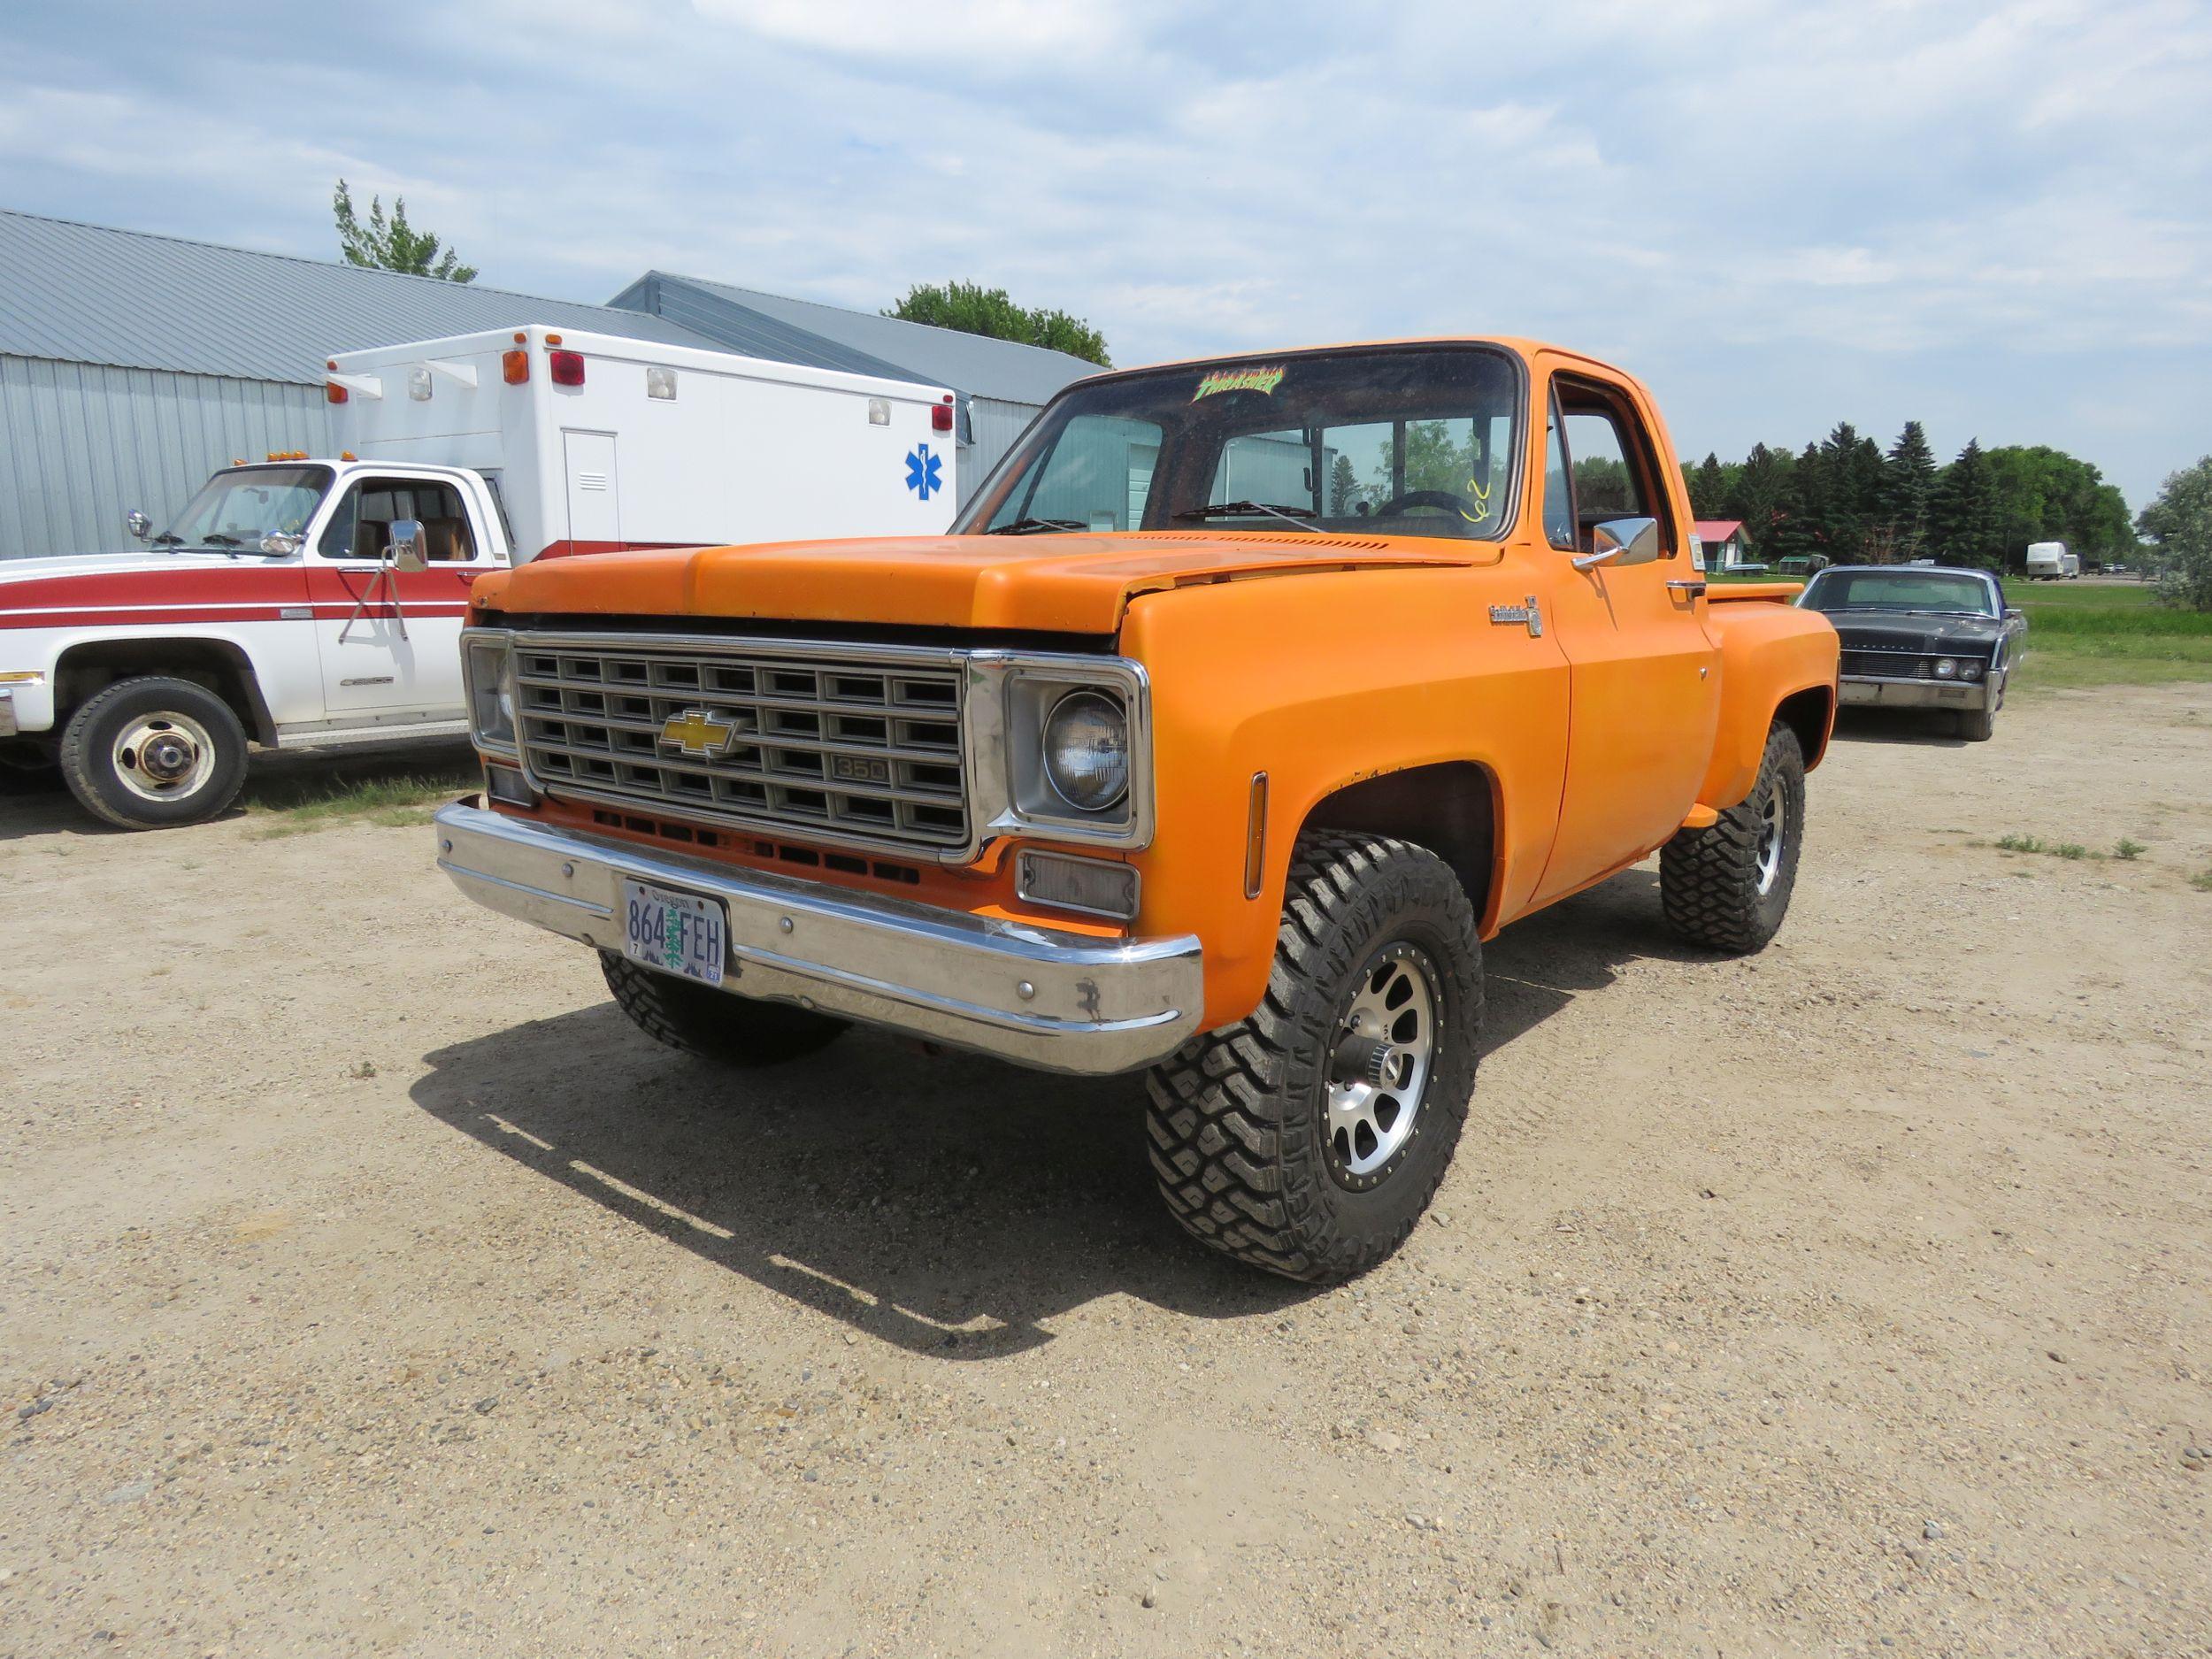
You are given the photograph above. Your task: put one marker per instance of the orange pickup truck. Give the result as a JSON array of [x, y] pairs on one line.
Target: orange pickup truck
[[1245, 699]]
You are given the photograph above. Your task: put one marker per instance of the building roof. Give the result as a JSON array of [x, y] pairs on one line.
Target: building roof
[[1718, 529], [87, 294], [769, 325]]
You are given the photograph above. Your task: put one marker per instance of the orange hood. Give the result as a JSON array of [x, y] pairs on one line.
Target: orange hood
[[1056, 584]]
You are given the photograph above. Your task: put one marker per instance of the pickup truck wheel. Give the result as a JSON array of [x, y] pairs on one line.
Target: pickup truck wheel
[[1308, 1138], [1728, 886], [698, 1019], [153, 752]]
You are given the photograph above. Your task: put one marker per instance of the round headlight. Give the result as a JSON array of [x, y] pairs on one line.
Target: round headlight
[[1969, 671], [1086, 750], [1946, 667]]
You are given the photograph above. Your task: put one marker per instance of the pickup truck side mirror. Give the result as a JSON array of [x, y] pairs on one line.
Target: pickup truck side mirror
[[409, 550], [1621, 541], [138, 524]]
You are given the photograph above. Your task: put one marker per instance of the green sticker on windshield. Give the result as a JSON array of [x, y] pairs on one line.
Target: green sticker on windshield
[[1239, 380]]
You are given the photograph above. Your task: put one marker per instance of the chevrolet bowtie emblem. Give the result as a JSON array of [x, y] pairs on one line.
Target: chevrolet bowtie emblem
[[699, 732]]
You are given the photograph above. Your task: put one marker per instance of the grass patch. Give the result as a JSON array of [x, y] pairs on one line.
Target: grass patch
[[391, 799], [2128, 849], [2082, 634], [2201, 882], [2037, 844]]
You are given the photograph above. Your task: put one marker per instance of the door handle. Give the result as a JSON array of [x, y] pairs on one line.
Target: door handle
[[1693, 588]]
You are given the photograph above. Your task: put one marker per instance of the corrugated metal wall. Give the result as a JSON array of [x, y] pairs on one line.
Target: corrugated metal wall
[[993, 427], [81, 444]]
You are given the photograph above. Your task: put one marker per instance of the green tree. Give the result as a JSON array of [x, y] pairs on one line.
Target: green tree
[[2180, 522], [1908, 485], [1708, 486], [1344, 492], [1963, 516], [393, 244], [973, 309], [1760, 495]]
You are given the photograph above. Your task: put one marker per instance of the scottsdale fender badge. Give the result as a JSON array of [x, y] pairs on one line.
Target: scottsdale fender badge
[[1530, 616]]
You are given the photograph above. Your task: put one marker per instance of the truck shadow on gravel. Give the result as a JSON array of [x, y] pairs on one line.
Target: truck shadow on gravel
[[949, 1204]]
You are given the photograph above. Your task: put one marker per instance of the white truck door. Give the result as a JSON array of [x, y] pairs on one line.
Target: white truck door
[[390, 640], [595, 507]]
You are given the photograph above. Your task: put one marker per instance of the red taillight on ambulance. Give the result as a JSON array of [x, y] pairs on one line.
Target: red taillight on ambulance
[[514, 367], [332, 392], [940, 416], [567, 366]]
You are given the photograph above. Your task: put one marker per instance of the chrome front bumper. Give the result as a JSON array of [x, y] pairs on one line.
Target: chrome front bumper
[[1060, 1001], [1922, 694]]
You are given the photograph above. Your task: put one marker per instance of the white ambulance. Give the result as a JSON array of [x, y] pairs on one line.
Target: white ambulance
[[307, 602]]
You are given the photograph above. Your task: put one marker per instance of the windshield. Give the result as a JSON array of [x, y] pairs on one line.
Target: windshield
[[1387, 440], [237, 508], [1943, 591]]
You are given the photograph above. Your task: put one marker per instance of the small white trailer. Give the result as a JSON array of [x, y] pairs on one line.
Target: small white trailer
[[2048, 560], [595, 443]]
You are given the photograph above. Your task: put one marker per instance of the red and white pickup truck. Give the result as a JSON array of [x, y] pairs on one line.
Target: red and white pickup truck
[[309, 602]]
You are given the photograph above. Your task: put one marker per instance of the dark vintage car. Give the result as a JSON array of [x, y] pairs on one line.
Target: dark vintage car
[[1923, 637]]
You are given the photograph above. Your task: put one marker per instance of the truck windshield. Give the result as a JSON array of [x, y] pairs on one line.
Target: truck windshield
[[234, 509], [1410, 441], [1940, 591]]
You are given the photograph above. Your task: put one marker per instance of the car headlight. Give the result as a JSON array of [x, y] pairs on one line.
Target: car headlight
[[1969, 671], [1946, 667], [1086, 750], [491, 688]]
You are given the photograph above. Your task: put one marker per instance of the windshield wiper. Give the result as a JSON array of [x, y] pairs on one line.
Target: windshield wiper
[[167, 538], [216, 538], [1031, 526], [1239, 509]]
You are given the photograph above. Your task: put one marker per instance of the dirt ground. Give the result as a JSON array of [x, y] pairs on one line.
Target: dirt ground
[[368, 1286]]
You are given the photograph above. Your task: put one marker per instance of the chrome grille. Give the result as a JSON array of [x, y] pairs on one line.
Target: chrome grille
[[860, 748]]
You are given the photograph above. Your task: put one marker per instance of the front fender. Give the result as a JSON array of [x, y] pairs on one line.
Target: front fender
[[1769, 653], [1322, 681]]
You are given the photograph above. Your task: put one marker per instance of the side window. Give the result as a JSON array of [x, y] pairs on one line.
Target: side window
[[1559, 501], [1614, 465], [361, 528]]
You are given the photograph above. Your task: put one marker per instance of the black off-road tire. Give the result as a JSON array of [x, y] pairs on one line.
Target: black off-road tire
[[90, 768], [1978, 725], [1709, 879], [697, 1019], [1236, 1116]]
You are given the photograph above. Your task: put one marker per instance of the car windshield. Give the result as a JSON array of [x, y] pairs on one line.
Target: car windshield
[[236, 508], [1947, 592], [1413, 440]]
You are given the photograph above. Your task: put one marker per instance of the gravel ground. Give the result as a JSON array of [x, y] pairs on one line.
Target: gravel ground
[[367, 1285]]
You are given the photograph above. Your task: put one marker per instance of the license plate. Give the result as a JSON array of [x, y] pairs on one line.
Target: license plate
[[676, 932]]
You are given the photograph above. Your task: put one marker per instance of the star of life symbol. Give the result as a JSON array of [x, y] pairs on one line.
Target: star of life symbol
[[923, 471]]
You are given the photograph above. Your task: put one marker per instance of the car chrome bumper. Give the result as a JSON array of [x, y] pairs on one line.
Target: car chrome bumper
[[1060, 1001], [1922, 694]]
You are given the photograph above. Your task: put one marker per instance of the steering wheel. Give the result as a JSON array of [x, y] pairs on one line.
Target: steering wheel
[[1441, 499]]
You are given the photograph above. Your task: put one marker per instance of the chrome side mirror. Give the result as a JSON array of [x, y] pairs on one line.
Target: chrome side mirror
[[1621, 541], [2013, 613], [138, 524], [281, 542], [410, 551]]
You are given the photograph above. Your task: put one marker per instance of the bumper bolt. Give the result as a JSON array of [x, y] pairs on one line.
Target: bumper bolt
[[1025, 990], [784, 925]]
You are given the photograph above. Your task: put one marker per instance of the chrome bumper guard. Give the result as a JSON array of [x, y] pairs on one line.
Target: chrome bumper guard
[[1060, 1001], [1864, 689]]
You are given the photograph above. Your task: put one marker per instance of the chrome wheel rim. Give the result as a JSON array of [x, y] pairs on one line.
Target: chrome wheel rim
[[162, 756], [1379, 1071], [1773, 821]]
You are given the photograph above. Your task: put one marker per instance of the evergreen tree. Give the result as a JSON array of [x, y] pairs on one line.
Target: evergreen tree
[[1909, 485], [1963, 515], [393, 244], [1343, 487], [1760, 495], [1708, 488]]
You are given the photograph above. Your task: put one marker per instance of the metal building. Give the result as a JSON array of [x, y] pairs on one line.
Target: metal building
[[132, 366]]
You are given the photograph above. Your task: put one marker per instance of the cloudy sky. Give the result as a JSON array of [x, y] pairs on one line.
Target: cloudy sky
[[1997, 218]]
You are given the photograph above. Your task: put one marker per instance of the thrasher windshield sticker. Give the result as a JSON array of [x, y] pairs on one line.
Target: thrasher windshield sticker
[[1265, 380]]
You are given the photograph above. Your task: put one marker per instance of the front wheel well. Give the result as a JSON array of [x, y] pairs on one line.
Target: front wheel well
[[1808, 714], [85, 670], [1450, 807]]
